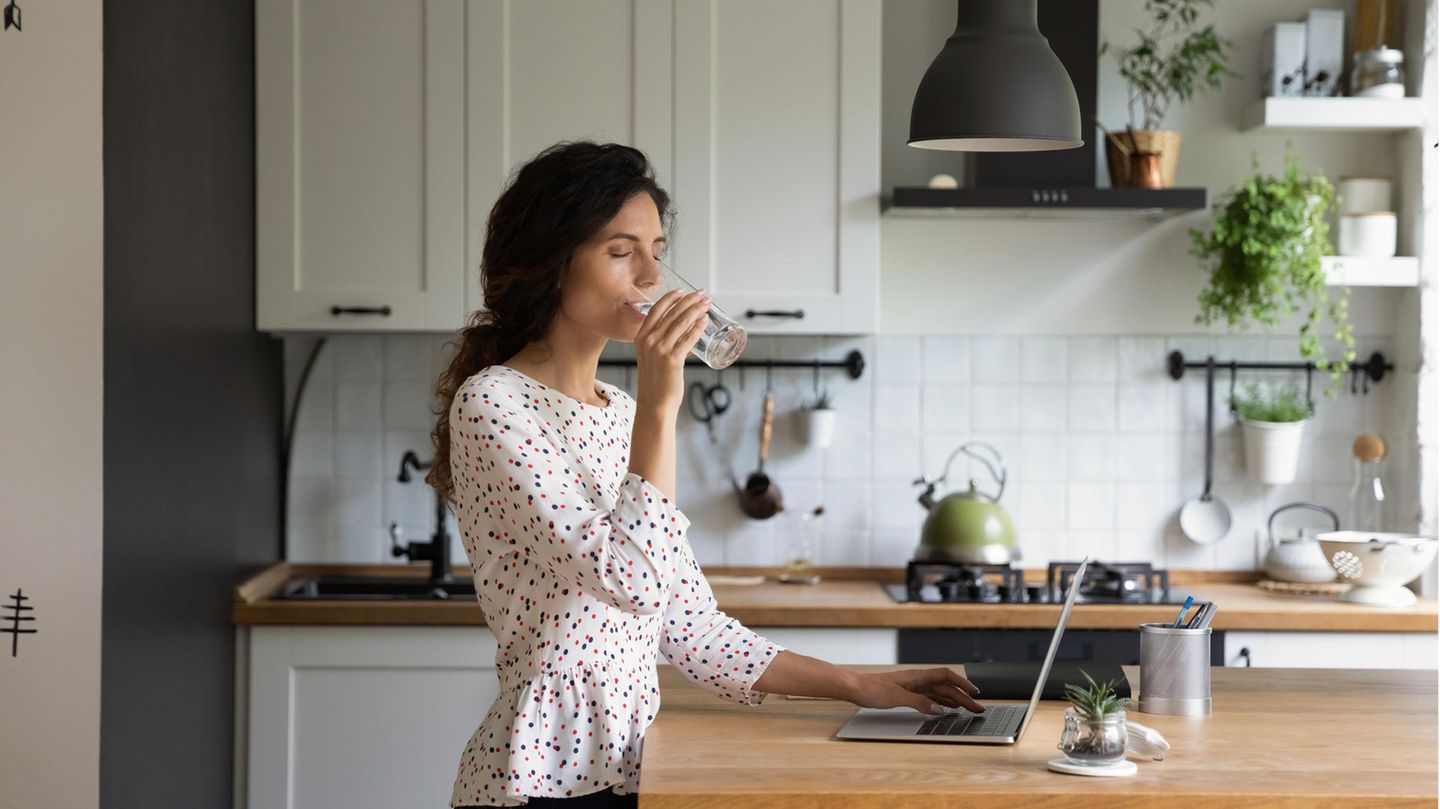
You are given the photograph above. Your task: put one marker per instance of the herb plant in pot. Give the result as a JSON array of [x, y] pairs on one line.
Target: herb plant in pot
[[817, 421], [1174, 57], [1095, 732], [1262, 255], [1272, 422]]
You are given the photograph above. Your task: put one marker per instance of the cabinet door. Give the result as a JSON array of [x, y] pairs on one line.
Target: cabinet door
[[363, 716], [360, 164], [1337, 650], [777, 160], [543, 71]]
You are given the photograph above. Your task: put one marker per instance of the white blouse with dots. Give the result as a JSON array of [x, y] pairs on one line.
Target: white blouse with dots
[[584, 572]]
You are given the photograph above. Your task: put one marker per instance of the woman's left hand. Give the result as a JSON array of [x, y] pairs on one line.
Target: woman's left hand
[[925, 690]]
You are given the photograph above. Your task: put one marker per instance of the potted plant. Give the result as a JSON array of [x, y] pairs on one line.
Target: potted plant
[[817, 420], [1095, 732], [1263, 258], [1272, 422], [1173, 58]]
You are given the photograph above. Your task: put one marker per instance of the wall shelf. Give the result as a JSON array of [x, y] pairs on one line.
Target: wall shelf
[[1358, 271], [1334, 115]]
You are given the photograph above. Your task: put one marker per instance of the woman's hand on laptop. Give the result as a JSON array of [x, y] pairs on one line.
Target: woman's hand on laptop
[[926, 690]]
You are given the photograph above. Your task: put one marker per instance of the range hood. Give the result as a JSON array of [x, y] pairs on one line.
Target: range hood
[[1058, 183]]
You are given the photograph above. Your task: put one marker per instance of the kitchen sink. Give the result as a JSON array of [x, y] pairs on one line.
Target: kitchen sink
[[374, 588]]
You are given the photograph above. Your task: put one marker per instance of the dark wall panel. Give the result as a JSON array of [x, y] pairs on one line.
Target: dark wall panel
[[192, 395]]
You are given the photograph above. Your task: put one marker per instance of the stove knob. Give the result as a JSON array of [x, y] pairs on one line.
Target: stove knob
[[1006, 592], [1036, 593], [976, 592]]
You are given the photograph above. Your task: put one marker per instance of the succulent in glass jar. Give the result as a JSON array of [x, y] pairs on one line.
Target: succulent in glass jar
[[1095, 731]]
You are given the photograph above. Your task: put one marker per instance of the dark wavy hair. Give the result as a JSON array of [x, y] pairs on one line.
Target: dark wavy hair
[[551, 206]]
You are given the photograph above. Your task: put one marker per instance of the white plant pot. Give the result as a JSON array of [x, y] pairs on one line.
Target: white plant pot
[[1272, 449], [817, 427]]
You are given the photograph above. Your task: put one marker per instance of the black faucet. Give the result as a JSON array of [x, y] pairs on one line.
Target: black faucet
[[437, 550]]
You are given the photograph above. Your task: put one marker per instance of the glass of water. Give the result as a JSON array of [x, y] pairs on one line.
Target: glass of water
[[723, 339]]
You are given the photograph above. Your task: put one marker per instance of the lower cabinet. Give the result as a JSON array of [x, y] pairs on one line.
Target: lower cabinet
[[346, 716], [1331, 650]]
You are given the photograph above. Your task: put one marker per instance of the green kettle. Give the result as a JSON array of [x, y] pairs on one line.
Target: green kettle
[[969, 526]]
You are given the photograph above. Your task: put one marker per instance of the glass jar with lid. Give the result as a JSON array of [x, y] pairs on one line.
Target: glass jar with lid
[[1378, 73]]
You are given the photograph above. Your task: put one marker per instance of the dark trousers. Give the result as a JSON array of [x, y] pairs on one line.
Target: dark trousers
[[604, 799]]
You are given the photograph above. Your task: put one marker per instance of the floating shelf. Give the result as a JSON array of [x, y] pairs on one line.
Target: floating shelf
[[1358, 271], [1334, 114]]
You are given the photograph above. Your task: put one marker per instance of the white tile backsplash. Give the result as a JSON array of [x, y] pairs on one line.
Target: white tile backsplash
[[1100, 446]]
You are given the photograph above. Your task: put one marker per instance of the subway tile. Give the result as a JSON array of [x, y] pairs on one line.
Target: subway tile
[[896, 456], [995, 359], [897, 359], [1042, 508], [407, 406], [1092, 408], [894, 506], [357, 405], [893, 547], [946, 358], [994, 408], [1044, 360], [1091, 457], [1092, 359], [1090, 506], [897, 407], [358, 357], [1141, 408], [317, 404], [310, 518], [1142, 458], [1043, 408], [845, 549], [357, 454], [1042, 457], [407, 357], [312, 454], [946, 407], [1141, 359], [848, 457], [1144, 507]]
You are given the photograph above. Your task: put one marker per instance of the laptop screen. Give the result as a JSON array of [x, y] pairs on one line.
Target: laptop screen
[[1054, 645]]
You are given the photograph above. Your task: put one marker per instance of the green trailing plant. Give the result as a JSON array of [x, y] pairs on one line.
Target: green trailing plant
[[1272, 403], [1095, 701], [1173, 58], [1262, 255]]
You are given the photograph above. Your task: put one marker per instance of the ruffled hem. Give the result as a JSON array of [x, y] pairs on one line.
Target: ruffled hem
[[564, 740]]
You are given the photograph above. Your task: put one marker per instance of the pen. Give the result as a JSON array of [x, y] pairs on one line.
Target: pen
[[1188, 601], [1204, 622], [1194, 622]]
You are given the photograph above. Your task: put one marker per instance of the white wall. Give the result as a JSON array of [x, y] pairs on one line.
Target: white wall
[[50, 408]]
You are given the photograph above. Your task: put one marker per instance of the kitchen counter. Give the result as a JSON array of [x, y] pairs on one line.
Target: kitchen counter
[[1278, 737], [854, 597]]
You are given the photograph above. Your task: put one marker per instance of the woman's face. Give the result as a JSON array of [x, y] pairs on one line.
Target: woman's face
[[615, 267]]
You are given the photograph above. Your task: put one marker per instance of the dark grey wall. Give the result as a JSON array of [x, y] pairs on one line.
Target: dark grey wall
[[192, 396]]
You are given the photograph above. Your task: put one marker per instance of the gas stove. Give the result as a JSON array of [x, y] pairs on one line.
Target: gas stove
[[963, 583]]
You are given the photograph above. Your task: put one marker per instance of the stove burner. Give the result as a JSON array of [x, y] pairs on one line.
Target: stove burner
[[1113, 582], [964, 583]]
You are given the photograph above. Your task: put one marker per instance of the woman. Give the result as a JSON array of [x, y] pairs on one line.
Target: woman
[[564, 490]]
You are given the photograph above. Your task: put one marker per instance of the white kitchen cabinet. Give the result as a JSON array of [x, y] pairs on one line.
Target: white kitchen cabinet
[[360, 716], [1332, 650], [543, 71], [777, 160], [360, 155], [845, 646]]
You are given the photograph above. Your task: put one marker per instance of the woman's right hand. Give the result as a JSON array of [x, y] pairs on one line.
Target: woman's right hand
[[665, 338]]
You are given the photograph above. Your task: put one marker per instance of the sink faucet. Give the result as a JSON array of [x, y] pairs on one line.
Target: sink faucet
[[437, 550]]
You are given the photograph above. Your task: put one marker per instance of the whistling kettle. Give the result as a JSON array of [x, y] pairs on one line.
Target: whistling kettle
[[968, 526]]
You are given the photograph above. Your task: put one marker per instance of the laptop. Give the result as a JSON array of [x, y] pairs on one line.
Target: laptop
[[999, 724]]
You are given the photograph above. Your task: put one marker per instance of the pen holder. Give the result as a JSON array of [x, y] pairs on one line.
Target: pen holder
[[1174, 670]]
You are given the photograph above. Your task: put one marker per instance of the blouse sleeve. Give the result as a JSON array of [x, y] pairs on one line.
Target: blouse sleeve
[[713, 650], [503, 460]]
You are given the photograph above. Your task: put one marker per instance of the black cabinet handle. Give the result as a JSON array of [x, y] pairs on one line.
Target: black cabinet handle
[[383, 311], [1245, 655], [797, 314]]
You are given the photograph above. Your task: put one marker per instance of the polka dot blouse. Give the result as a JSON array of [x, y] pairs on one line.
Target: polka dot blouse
[[584, 572]]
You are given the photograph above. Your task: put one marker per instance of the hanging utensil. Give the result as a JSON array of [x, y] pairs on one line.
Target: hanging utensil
[[760, 499], [1206, 518], [706, 403]]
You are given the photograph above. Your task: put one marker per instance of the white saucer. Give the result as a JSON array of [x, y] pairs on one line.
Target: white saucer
[[1119, 768]]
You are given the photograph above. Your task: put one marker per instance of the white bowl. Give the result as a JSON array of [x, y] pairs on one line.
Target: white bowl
[[1379, 565]]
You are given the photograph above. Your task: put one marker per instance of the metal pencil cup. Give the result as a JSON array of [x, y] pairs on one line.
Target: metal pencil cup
[[1174, 670]]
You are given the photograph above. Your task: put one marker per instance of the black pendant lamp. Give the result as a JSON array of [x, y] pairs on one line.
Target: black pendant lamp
[[996, 86]]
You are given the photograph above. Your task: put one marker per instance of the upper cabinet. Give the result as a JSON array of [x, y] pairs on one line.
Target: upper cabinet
[[359, 153], [777, 160], [387, 132], [542, 71]]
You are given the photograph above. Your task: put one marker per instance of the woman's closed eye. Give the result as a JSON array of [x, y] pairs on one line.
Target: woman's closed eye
[[658, 256]]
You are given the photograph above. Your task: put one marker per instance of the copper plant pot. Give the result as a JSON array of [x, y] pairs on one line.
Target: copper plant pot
[[1117, 154]]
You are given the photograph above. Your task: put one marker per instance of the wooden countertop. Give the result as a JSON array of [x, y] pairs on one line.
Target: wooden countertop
[[850, 597], [1301, 738]]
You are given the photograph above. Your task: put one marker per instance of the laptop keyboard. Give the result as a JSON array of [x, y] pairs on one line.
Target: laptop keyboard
[[996, 721]]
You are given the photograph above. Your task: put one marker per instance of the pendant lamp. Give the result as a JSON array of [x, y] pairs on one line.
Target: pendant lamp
[[996, 86]]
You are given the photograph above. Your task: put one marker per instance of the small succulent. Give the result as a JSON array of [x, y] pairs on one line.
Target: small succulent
[[1096, 701], [1272, 403], [822, 400]]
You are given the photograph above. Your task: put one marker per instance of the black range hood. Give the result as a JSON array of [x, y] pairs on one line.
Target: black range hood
[[1058, 183]]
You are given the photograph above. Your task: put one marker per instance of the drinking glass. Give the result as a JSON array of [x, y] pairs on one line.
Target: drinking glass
[[723, 339]]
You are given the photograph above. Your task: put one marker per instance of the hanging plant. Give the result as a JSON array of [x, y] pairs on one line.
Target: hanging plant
[[1263, 258]]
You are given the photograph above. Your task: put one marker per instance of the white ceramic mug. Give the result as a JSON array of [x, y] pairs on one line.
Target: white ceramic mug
[[1370, 234], [1363, 194]]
